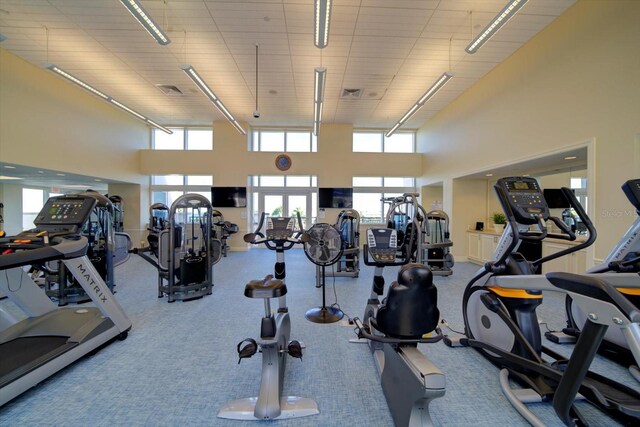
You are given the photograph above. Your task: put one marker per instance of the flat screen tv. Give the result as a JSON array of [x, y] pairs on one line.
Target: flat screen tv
[[341, 198], [229, 197], [555, 199]]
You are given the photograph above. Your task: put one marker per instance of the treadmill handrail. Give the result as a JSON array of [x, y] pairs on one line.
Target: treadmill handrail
[[61, 248]]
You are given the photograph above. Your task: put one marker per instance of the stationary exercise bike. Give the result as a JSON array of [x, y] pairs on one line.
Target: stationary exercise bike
[[394, 327], [275, 330], [499, 310]]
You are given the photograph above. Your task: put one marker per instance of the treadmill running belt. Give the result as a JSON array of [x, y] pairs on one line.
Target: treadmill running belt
[[21, 355]]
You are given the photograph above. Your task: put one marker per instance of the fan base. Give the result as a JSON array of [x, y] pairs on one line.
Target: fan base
[[324, 314]]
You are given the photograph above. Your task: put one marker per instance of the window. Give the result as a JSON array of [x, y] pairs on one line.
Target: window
[[284, 181], [284, 141], [32, 202], [167, 188], [369, 193], [183, 139], [377, 142]]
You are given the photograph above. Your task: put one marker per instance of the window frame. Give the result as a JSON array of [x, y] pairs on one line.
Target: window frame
[[384, 138], [185, 138], [383, 192], [255, 141]]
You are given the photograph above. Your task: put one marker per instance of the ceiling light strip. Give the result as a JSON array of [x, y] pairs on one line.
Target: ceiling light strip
[[318, 97], [202, 85], [501, 18], [322, 16], [59, 71], [439, 84], [145, 20]]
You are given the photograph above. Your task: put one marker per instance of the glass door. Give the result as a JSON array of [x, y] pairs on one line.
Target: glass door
[[285, 203]]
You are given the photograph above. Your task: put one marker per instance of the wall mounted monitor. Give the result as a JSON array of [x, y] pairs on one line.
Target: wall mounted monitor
[[341, 198], [229, 197]]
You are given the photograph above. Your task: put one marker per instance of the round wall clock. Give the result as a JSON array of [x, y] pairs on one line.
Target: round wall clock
[[283, 162]]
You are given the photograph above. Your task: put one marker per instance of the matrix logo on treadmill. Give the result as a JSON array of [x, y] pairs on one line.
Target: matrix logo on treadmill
[[89, 280]]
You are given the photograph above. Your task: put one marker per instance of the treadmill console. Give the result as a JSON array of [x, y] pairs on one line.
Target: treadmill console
[[631, 189], [382, 244], [65, 213], [525, 199], [280, 228]]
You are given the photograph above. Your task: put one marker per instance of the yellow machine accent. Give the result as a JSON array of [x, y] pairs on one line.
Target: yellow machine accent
[[512, 293]]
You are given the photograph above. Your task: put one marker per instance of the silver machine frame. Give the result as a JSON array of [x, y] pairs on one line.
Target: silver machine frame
[[350, 254], [84, 328], [409, 380], [170, 253]]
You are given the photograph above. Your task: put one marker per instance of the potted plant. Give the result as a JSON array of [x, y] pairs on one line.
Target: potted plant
[[499, 221]]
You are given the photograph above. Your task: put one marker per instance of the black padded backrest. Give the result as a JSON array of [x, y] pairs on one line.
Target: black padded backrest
[[411, 307]]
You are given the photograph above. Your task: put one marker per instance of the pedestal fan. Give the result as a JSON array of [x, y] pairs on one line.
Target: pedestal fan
[[323, 248]]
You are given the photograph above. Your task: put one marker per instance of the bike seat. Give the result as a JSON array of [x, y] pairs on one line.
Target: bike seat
[[265, 288]]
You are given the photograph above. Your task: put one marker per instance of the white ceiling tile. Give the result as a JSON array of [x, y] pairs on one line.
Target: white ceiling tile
[[391, 50]]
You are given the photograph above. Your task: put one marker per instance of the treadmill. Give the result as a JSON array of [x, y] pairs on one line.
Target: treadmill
[[51, 338]]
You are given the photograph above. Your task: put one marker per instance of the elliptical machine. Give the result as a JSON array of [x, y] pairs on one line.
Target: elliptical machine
[[394, 327], [274, 343], [623, 264], [499, 310]]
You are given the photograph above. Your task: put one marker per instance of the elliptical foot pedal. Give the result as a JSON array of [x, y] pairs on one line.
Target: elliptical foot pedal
[[455, 341], [560, 337]]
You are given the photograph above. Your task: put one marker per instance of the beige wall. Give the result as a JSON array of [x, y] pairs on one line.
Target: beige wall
[[48, 123], [577, 79], [231, 164]]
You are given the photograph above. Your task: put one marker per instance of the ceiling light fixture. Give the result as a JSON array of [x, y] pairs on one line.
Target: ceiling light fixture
[[501, 18], [145, 20], [202, 85], [439, 84], [59, 71], [322, 15], [570, 158], [9, 177], [9, 167], [318, 97]]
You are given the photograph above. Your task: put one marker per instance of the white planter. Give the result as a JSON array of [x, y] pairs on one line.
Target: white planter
[[499, 228]]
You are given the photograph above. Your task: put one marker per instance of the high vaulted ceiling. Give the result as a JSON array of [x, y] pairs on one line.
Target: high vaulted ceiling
[[392, 50]]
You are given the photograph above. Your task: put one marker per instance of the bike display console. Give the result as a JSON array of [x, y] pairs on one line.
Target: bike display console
[[280, 228], [382, 244]]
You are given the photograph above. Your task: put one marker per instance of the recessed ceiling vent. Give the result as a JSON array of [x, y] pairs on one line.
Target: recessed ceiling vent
[[170, 90], [351, 93]]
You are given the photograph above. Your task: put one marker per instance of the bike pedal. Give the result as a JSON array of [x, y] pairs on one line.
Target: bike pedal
[[246, 348], [295, 349]]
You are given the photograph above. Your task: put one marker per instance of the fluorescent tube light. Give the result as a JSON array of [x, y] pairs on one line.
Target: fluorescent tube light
[[145, 20], [125, 108], [59, 71], [152, 123], [318, 97], [202, 85], [322, 15], [439, 84], [77, 81], [501, 18]]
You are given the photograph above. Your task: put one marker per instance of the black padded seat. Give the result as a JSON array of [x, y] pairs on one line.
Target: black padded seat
[[411, 307], [594, 287], [265, 288]]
